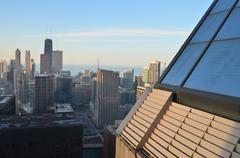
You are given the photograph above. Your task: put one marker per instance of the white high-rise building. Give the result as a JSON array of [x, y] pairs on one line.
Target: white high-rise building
[[22, 92], [3, 69], [145, 74], [28, 62], [18, 59], [154, 72], [107, 100]]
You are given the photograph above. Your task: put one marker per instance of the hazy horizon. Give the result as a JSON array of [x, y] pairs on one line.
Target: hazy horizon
[[120, 32]]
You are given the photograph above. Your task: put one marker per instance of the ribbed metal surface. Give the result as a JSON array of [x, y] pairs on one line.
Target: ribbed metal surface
[[144, 117], [182, 131], [188, 132]]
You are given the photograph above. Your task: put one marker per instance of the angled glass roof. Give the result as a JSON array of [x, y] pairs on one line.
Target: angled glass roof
[[210, 58], [223, 5]]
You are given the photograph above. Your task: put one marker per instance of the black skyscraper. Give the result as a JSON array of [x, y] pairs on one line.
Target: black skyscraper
[[48, 46], [46, 58]]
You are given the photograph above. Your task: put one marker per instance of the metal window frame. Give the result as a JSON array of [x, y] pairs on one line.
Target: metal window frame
[[208, 45], [219, 104], [223, 105], [188, 40]]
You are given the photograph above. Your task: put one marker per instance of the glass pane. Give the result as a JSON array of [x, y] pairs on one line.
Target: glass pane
[[219, 69], [238, 4], [231, 28], [209, 27], [183, 64], [223, 5]]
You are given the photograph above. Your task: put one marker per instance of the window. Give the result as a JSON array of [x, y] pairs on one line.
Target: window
[[231, 28], [223, 5], [218, 71], [209, 27], [182, 66]]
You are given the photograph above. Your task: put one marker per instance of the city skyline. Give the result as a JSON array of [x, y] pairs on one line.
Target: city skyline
[[149, 31], [106, 79]]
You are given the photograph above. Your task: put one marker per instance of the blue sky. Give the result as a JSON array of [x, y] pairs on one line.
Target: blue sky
[[123, 32]]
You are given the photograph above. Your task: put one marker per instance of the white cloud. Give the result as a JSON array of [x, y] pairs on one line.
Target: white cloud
[[105, 33], [117, 33]]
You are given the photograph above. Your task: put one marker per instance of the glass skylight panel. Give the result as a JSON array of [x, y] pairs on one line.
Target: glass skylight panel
[[223, 5], [238, 4], [209, 27], [182, 66], [218, 71], [231, 28]]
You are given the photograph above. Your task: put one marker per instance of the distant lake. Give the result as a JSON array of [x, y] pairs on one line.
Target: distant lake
[[75, 69]]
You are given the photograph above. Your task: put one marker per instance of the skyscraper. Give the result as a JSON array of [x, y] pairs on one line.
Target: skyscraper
[[138, 81], [18, 59], [93, 96], [12, 64], [32, 95], [22, 92], [127, 79], [85, 80], [154, 71], [107, 98], [63, 89], [48, 46], [43, 64], [57, 61], [28, 62], [46, 58], [3, 70], [145, 74], [44, 93], [33, 68]]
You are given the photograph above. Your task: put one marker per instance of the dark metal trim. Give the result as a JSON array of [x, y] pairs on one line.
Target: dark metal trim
[[219, 104]]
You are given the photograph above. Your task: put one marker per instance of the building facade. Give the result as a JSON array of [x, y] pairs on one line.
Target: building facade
[[22, 92], [154, 72], [3, 70], [63, 92], [44, 93], [107, 104], [127, 79], [145, 74], [46, 58], [57, 61], [18, 59], [33, 69], [28, 62]]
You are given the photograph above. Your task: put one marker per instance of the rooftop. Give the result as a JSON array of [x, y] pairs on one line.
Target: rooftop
[[63, 108], [4, 99], [36, 121]]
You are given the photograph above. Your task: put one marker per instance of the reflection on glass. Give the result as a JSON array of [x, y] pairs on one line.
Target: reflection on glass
[[183, 64], [223, 5], [231, 29], [218, 71], [209, 27]]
